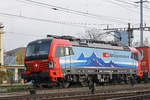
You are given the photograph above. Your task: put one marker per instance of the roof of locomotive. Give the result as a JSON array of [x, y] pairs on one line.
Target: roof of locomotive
[[143, 46], [91, 43], [100, 45], [46, 39]]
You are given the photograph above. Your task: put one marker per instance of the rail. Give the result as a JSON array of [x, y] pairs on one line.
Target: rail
[[82, 95]]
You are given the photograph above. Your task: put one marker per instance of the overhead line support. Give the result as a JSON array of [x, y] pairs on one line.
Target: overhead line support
[[141, 21]]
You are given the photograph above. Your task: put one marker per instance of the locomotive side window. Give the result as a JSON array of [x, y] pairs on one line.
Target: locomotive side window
[[63, 51], [71, 51], [59, 52], [134, 56], [68, 51]]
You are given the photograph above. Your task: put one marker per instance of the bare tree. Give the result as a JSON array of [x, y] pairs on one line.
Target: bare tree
[[93, 34]]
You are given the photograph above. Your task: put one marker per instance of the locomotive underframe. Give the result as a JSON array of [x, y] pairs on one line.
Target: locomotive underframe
[[99, 75], [84, 75]]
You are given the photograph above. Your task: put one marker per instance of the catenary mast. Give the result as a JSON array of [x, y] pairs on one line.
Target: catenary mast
[[141, 21]]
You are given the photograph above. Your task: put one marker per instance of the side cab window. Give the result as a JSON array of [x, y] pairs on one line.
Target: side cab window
[[68, 51], [59, 51], [63, 51]]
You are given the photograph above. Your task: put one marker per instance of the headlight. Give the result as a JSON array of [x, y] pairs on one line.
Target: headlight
[[51, 64], [25, 67]]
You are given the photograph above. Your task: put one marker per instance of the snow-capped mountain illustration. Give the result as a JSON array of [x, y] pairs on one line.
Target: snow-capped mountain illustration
[[93, 60]]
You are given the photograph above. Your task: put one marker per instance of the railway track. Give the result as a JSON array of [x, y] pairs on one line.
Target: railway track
[[98, 89], [101, 92], [118, 92], [136, 97], [132, 95], [108, 96]]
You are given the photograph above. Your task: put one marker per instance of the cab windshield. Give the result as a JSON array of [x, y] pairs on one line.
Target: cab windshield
[[38, 50]]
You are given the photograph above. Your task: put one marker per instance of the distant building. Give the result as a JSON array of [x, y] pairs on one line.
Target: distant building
[[9, 60], [14, 51], [14, 63], [14, 57]]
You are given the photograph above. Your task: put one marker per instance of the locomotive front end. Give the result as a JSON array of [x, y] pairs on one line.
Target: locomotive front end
[[37, 61], [42, 61]]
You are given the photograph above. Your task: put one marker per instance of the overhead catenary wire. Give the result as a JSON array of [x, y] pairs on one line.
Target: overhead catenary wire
[[129, 3], [67, 10], [126, 2], [126, 7], [45, 20], [121, 5]]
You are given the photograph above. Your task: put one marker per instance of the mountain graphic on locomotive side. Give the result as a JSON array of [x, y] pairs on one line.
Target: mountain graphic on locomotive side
[[64, 60], [93, 60]]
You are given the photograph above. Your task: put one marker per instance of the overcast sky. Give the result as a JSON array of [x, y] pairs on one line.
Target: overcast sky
[[26, 20]]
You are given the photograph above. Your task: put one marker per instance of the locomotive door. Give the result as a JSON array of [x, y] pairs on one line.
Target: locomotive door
[[63, 53], [67, 66], [68, 54]]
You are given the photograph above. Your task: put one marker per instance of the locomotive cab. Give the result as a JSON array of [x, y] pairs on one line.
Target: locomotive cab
[[42, 57]]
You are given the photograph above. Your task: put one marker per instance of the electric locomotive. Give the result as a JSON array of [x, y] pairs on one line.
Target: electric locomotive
[[65, 60]]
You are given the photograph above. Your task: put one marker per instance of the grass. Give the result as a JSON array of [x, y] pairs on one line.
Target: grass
[[15, 88]]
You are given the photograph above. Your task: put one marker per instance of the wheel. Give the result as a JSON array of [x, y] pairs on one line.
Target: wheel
[[145, 80], [36, 85], [138, 80], [84, 83], [45, 86], [65, 84]]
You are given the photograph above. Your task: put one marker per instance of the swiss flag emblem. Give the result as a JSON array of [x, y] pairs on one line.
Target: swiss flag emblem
[[105, 54]]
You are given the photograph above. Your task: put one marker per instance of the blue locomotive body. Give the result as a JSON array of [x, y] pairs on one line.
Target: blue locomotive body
[[99, 58]]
